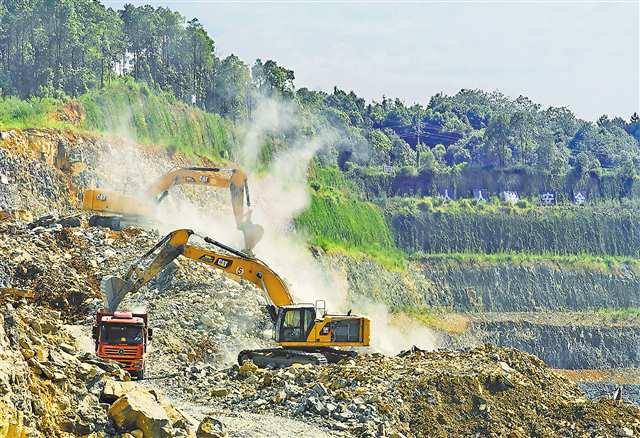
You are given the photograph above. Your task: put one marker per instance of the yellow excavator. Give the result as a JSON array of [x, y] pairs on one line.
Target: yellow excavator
[[305, 333], [116, 209]]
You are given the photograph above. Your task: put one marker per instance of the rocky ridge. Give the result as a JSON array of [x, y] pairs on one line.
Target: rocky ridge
[[561, 340]]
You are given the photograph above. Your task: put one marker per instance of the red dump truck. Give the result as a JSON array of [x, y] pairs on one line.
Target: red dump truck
[[123, 337]]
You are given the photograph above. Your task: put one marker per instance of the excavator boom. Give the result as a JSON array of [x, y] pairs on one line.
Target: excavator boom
[[203, 176], [233, 262], [114, 203], [232, 177]]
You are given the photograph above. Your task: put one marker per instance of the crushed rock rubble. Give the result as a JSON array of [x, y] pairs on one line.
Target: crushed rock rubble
[[63, 265], [49, 388], [487, 391], [221, 319]]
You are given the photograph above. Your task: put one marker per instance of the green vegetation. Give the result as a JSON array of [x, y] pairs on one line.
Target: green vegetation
[[337, 221], [457, 323], [619, 314], [35, 112], [582, 262], [133, 110], [461, 180], [471, 129], [348, 221], [137, 111], [469, 140]]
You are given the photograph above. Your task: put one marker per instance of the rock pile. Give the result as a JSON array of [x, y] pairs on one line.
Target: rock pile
[[63, 266], [200, 319], [64, 263], [487, 391], [43, 377]]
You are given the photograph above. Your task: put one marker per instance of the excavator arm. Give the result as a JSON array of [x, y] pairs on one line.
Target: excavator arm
[[235, 179], [232, 177], [232, 262]]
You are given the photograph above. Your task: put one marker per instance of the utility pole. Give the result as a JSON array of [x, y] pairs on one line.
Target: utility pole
[[418, 132]]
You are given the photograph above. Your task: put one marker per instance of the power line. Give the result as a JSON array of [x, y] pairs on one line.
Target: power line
[[436, 135], [428, 129]]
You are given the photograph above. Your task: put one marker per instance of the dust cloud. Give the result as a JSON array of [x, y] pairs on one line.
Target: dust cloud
[[278, 195]]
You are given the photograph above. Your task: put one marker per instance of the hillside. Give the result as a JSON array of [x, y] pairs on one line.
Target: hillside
[[493, 312]]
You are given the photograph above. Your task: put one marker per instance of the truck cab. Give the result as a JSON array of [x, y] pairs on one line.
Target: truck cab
[[123, 337]]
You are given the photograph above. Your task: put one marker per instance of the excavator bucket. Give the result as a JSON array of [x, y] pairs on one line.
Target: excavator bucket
[[114, 290], [252, 234]]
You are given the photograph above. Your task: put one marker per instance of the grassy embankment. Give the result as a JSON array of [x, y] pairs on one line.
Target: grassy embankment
[[581, 262], [149, 116], [33, 113], [132, 110], [337, 220]]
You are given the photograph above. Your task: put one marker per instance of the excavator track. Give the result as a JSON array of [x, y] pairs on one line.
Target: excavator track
[[285, 357], [111, 222], [281, 357], [334, 355]]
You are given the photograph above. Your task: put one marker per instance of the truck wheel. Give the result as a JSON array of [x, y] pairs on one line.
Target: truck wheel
[[138, 375]]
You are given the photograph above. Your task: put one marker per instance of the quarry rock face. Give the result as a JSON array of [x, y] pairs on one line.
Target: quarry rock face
[[52, 389], [560, 344], [490, 287]]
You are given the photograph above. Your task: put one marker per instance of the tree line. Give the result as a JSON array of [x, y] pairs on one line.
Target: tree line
[[60, 48]]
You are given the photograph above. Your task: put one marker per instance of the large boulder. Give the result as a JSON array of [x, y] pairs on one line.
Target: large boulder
[[114, 389], [210, 428], [178, 419], [139, 409]]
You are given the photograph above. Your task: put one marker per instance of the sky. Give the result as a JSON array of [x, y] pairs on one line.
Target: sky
[[584, 55]]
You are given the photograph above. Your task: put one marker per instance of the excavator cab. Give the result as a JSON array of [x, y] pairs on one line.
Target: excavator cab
[[309, 324], [294, 323]]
